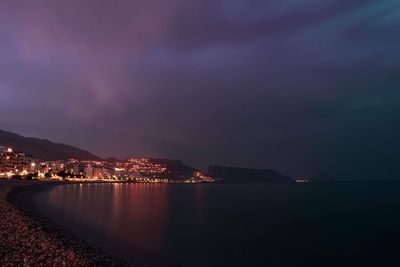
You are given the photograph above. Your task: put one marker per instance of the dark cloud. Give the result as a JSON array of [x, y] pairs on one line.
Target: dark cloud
[[300, 85]]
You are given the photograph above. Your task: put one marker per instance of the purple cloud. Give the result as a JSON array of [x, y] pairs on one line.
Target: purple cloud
[[299, 85]]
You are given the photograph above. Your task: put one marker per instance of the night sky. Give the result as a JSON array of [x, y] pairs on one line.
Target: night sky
[[300, 86]]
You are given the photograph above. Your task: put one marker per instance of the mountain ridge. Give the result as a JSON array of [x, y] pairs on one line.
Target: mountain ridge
[[44, 149], [246, 175]]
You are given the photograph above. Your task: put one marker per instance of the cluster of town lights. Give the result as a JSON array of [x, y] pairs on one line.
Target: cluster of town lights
[[142, 170]]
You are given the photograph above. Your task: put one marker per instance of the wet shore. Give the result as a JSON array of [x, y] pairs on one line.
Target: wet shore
[[27, 238]]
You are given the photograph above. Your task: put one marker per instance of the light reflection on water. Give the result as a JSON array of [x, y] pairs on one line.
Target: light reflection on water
[[141, 211], [233, 225]]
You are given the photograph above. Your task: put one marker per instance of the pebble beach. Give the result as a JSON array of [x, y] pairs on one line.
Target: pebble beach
[[27, 238]]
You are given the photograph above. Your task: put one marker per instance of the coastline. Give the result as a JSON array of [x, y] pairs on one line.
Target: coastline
[[28, 238]]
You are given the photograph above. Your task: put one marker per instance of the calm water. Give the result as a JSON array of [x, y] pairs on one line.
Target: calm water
[[342, 224]]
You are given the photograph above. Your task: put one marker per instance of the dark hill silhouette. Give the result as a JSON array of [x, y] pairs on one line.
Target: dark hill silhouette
[[245, 175], [113, 160], [44, 149], [175, 168]]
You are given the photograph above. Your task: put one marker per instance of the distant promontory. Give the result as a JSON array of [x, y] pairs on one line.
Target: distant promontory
[[246, 175]]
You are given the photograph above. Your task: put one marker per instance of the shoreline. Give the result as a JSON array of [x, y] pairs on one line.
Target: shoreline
[[28, 238]]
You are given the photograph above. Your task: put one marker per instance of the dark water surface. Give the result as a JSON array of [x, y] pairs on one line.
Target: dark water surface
[[336, 224]]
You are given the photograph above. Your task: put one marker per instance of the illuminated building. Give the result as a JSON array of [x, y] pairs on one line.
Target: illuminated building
[[89, 171], [14, 163]]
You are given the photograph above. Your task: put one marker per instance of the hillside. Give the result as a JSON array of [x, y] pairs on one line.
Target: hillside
[[175, 168], [245, 175], [44, 149]]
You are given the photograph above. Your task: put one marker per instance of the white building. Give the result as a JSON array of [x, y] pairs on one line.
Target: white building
[[89, 171]]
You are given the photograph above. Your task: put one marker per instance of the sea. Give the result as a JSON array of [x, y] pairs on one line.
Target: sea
[[308, 224]]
